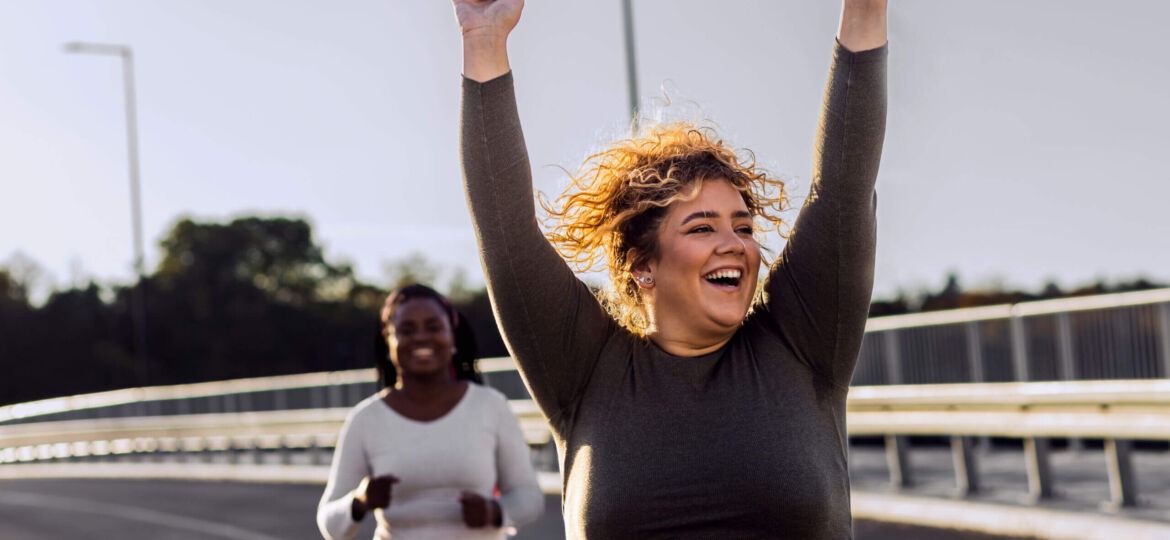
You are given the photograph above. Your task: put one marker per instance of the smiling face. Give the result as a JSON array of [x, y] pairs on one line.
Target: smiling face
[[704, 276], [421, 339]]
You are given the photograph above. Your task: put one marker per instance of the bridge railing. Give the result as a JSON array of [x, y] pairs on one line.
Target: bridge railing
[[189, 435], [1115, 336], [282, 392], [1111, 336], [1116, 411]]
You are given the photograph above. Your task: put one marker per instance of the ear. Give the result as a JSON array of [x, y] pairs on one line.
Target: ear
[[643, 273]]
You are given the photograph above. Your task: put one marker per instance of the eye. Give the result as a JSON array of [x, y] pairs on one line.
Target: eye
[[746, 229], [700, 229]]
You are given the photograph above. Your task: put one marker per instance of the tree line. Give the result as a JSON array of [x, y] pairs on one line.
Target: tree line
[[248, 298], [256, 297]]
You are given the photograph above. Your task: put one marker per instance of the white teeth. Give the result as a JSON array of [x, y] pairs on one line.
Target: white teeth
[[732, 274], [424, 351]]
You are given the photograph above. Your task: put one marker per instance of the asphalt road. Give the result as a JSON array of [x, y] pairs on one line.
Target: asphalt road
[[166, 509]]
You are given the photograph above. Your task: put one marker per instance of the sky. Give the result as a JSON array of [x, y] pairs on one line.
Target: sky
[[1024, 139]]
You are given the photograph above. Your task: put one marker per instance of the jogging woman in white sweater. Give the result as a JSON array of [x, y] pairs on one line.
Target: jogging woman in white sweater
[[427, 453]]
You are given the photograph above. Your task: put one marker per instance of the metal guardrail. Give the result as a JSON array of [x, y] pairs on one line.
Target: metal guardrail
[[1111, 336], [278, 430], [181, 392], [1115, 411], [312, 429], [902, 361], [320, 390]]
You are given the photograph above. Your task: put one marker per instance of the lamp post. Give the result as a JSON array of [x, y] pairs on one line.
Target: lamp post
[[138, 296], [631, 66]]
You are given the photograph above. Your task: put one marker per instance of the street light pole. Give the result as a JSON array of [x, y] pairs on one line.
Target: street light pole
[[631, 65], [138, 308]]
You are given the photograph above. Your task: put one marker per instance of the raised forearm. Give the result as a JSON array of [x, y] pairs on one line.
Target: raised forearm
[[485, 25], [863, 24], [485, 57]]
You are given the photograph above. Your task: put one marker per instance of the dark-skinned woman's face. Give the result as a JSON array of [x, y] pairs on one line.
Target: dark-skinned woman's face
[[421, 338]]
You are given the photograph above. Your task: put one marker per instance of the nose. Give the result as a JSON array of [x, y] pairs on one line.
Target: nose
[[730, 243]]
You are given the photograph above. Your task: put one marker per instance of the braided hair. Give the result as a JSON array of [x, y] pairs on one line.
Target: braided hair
[[463, 362]]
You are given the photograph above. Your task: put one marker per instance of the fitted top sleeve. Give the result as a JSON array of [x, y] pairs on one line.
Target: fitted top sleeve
[[553, 324], [818, 290], [521, 500], [350, 466]]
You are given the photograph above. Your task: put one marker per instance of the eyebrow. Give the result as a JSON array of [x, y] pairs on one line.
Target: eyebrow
[[711, 215], [427, 320]]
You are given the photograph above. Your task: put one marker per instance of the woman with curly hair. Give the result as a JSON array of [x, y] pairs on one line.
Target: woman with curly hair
[[683, 403]]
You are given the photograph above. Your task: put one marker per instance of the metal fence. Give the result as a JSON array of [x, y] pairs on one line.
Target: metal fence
[[1116, 411], [265, 413], [324, 390], [1106, 337], [1114, 336]]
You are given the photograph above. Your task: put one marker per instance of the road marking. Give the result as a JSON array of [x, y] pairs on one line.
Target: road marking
[[132, 513]]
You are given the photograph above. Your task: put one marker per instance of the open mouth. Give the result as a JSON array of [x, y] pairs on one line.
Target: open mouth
[[726, 278], [423, 352]]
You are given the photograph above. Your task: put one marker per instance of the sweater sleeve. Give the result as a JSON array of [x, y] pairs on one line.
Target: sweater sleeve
[[553, 324], [350, 466], [818, 290], [521, 500]]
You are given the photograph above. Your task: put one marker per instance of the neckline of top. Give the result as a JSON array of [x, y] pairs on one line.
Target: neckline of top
[[466, 397], [657, 351]]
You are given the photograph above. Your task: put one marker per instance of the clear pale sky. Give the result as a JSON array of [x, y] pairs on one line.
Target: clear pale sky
[[1025, 139]]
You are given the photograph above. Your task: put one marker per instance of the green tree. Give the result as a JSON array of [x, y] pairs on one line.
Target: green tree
[[252, 297]]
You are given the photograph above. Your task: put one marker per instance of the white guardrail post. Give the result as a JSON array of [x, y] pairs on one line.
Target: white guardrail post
[[966, 466], [1035, 448], [897, 446], [1068, 365], [1122, 482], [963, 448], [1036, 455], [1164, 337]]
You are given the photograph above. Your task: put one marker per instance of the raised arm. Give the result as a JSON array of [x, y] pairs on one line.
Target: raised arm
[[818, 291], [552, 323]]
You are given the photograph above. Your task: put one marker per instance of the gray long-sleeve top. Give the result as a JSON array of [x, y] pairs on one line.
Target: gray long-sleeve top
[[745, 442]]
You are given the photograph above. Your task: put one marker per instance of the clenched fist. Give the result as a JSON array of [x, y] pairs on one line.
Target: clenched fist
[[480, 512], [373, 492], [492, 19]]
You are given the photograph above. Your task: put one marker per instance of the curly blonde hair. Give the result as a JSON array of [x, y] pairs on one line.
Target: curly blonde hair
[[619, 197]]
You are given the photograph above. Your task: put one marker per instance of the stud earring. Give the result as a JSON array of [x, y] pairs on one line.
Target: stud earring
[[645, 280]]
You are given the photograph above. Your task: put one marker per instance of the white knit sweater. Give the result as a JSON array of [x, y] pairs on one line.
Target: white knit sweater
[[477, 446]]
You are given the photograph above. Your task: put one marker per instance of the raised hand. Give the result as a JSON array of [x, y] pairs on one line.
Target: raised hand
[[486, 25], [492, 19], [478, 511], [373, 492]]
